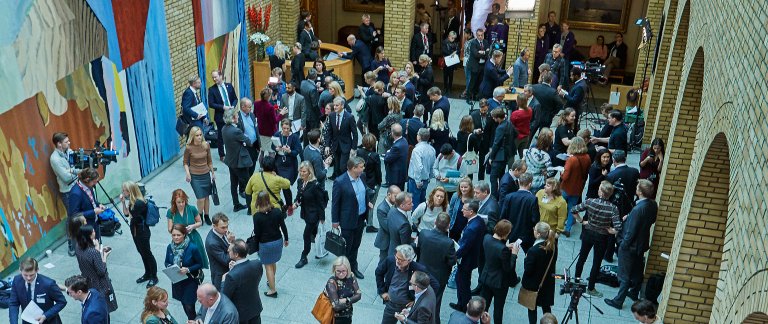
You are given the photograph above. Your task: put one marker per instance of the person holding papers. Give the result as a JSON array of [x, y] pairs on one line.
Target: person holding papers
[[450, 48], [187, 257], [30, 286], [191, 101]]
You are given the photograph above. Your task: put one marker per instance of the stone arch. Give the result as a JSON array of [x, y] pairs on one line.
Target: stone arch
[[697, 265], [756, 318], [663, 108], [678, 156]]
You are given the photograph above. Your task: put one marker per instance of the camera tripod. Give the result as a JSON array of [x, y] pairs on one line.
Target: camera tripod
[[117, 208], [576, 294]]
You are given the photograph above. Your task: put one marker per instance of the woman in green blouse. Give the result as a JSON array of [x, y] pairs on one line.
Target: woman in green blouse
[[182, 213], [156, 307]]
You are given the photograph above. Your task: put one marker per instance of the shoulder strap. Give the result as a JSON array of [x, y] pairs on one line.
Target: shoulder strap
[[279, 201], [458, 164], [547, 271]]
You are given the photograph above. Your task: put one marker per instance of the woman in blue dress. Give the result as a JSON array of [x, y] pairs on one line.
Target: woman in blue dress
[[286, 158]]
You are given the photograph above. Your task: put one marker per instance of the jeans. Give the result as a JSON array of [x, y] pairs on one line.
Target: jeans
[[590, 239], [419, 195], [572, 201]]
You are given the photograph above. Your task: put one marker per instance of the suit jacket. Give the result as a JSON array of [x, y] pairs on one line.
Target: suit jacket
[[361, 53], [575, 97], [458, 317], [442, 104], [80, 203], [95, 310], [493, 77], [216, 248], [499, 269], [635, 236], [225, 313], [407, 107], [189, 100], [507, 185], [308, 90], [344, 208], [315, 157], [387, 268], [382, 237], [239, 287], [365, 32], [521, 208], [490, 209], [418, 48], [299, 107], [343, 138], [235, 143], [305, 38], [45, 290], [297, 69], [399, 229], [425, 81], [437, 252], [569, 45], [503, 142], [396, 162], [471, 243], [375, 112], [216, 101], [410, 92], [452, 25], [549, 103], [490, 127], [411, 128], [473, 63], [626, 174], [423, 309]]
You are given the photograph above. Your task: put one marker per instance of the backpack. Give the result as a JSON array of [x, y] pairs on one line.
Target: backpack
[[608, 276], [153, 213], [5, 298], [108, 223], [653, 287], [620, 198]]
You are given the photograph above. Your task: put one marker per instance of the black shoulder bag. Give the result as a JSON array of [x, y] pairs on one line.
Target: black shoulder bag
[[283, 206]]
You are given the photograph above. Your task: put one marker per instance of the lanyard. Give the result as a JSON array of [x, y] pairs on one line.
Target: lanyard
[[88, 193]]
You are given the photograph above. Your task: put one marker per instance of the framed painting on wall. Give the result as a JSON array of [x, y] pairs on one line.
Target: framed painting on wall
[[601, 15], [370, 6]]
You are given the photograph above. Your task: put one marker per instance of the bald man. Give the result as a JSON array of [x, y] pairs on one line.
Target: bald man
[[215, 307]]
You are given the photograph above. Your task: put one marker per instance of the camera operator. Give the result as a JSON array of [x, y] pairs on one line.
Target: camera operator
[[575, 97], [66, 175], [82, 199]]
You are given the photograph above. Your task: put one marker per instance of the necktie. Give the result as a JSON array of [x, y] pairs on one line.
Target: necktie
[[226, 243], [224, 97], [29, 292], [424, 38], [482, 121], [197, 97], [338, 121]]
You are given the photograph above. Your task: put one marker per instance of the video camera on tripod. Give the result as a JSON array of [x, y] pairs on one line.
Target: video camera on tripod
[[98, 155], [571, 286]]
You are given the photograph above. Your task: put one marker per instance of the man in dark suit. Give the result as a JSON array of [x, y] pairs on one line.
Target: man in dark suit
[[246, 122], [95, 309], [341, 137], [438, 102], [509, 182], [392, 276], [499, 270], [406, 105], [521, 208], [396, 159], [306, 37], [549, 103], [410, 88], [382, 215], [470, 247], [190, 98], [297, 65], [349, 208], [397, 222], [82, 199], [494, 75], [315, 157], [425, 80], [360, 52], [423, 310], [420, 44], [29, 286], [453, 24], [437, 252], [533, 104], [224, 313], [635, 238], [238, 160], [474, 314], [412, 125], [626, 175], [221, 97], [484, 127], [240, 282], [308, 90], [575, 97], [489, 211], [216, 246], [478, 48], [503, 148]]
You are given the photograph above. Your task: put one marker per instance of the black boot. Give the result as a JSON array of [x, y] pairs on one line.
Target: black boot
[[207, 219]]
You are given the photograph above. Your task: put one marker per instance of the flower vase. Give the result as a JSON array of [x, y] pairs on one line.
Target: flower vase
[[260, 55]]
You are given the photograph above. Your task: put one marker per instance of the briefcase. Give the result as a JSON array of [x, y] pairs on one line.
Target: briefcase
[[215, 193], [335, 244]]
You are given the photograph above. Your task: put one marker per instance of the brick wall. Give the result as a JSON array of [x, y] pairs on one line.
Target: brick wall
[[398, 22], [657, 79], [181, 39], [527, 40]]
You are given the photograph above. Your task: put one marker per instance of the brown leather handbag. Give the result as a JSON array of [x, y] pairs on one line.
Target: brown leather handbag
[[323, 310], [526, 297]]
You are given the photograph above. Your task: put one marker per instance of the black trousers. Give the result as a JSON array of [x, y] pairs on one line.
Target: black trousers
[[630, 275], [220, 140], [255, 320], [610, 248], [497, 171], [463, 283], [388, 317], [448, 78], [141, 235], [474, 83], [310, 230], [590, 239], [532, 314], [499, 297], [238, 179], [439, 301], [339, 162], [353, 237], [253, 151]]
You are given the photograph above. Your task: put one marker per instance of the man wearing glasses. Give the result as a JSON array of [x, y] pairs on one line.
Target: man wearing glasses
[[393, 277]]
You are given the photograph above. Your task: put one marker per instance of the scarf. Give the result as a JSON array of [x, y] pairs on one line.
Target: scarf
[[178, 251]]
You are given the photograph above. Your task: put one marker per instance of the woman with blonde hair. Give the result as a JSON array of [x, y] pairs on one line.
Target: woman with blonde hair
[[553, 209], [574, 177], [385, 126], [439, 133], [410, 71], [425, 214], [277, 60], [540, 263], [538, 160], [156, 307], [198, 166], [136, 209], [458, 221], [342, 290], [312, 198]]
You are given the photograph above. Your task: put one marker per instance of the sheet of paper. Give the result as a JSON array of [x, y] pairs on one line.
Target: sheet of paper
[[331, 56], [49, 265], [200, 109], [296, 125], [452, 60], [173, 274], [614, 98], [31, 313]]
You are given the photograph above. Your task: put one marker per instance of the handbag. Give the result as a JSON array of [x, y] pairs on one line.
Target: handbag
[[283, 206], [470, 160], [323, 310], [335, 243], [527, 297], [253, 243], [181, 126], [214, 193]]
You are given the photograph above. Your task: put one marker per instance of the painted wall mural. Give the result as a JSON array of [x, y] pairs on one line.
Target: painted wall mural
[[96, 69]]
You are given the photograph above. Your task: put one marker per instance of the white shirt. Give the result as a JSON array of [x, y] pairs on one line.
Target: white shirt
[[291, 99], [32, 287], [211, 310]]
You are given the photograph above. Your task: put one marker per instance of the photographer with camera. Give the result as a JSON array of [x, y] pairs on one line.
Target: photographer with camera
[[66, 175], [82, 199]]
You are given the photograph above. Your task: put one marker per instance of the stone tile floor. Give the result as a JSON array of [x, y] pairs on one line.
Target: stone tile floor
[[298, 287]]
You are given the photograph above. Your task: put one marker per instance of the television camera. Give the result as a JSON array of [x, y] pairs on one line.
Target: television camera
[[575, 287], [98, 155]]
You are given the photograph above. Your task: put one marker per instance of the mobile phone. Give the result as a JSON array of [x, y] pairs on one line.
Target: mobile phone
[[272, 80]]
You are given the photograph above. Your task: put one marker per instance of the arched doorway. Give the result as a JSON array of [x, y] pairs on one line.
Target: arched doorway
[[756, 318], [697, 268]]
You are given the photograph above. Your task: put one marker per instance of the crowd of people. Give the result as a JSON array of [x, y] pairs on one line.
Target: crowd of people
[[514, 177]]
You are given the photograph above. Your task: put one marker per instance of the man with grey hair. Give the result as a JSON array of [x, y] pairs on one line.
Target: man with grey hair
[[556, 60], [397, 222], [215, 307], [396, 159], [392, 281], [246, 121], [420, 167], [360, 52], [498, 98], [235, 140], [341, 137], [382, 211]]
